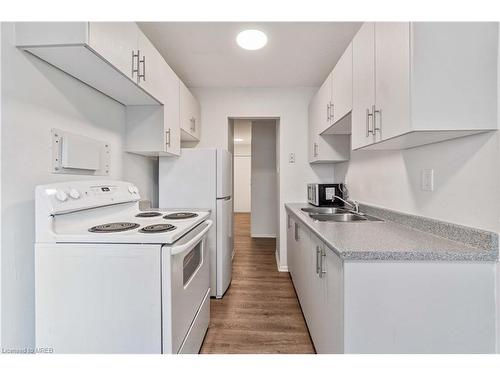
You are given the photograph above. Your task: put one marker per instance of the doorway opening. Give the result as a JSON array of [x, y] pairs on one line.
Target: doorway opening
[[260, 294], [255, 148]]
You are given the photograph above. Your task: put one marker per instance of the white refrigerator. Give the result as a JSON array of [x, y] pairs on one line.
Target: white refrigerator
[[201, 178]]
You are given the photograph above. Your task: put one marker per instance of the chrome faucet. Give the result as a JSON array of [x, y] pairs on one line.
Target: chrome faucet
[[354, 205]]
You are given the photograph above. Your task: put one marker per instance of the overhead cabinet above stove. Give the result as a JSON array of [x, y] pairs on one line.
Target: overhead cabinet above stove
[[117, 59], [104, 55]]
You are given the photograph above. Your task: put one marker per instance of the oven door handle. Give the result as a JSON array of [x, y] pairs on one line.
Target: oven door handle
[[192, 238]]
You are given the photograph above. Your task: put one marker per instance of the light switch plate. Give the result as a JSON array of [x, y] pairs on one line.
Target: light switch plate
[[291, 158], [427, 179]]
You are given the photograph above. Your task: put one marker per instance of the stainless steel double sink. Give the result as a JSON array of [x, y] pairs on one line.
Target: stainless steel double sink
[[339, 215]]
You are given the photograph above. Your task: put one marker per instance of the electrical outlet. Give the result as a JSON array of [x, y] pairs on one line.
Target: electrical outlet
[[291, 158], [427, 179]]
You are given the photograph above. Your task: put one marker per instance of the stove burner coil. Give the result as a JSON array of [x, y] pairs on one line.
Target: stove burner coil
[[180, 215], [113, 227], [157, 228], [148, 214]]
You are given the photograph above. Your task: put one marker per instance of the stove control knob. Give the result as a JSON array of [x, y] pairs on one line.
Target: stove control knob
[[61, 195], [131, 189], [75, 194]]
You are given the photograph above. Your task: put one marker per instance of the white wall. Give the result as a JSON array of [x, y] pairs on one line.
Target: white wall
[[242, 183], [466, 180], [1, 185], [35, 98], [290, 106], [264, 217], [242, 165]]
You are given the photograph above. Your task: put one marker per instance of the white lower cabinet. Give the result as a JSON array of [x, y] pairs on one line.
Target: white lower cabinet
[[317, 277], [325, 280], [390, 306]]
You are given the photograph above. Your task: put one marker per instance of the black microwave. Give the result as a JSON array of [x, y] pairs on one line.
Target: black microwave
[[324, 195]]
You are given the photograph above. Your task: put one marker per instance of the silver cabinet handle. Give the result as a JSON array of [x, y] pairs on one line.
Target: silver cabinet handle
[[297, 232], [315, 151], [317, 261], [288, 222], [375, 111], [193, 124], [321, 269], [134, 68], [143, 62], [331, 112], [368, 130], [328, 112], [167, 138]]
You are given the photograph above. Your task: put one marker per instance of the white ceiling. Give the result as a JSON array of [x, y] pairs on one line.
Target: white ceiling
[[205, 54]]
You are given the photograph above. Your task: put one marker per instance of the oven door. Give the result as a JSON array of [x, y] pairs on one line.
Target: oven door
[[190, 280]]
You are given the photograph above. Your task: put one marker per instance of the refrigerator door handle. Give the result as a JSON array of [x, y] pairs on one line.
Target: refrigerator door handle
[[224, 198]]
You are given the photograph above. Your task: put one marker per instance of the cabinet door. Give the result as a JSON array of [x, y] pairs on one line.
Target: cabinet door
[[392, 79], [303, 251], [189, 113], [333, 316], [290, 253], [324, 98], [324, 148], [171, 110], [363, 85], [116, 42], [314, 114], [342, 86], [316, 319], [151, 66]]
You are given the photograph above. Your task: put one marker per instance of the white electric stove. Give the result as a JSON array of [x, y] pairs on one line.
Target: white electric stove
[[113, 279]]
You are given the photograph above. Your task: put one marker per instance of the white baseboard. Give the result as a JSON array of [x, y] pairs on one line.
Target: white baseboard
[[263, 235], [280, 267]]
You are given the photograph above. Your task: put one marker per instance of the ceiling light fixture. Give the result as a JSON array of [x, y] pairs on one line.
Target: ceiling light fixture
[[238, 139], [251, 39]]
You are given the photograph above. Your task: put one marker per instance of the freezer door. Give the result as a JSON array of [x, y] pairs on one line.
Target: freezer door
[[188, 181], [224, 173], [224, 245]]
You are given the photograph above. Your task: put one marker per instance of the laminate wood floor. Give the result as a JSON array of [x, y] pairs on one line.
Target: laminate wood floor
[[260, 312]]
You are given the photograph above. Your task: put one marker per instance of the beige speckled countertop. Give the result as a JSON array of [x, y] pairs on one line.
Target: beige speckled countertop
[[387, 241]]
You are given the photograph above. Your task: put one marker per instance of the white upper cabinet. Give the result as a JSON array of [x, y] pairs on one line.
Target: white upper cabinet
[[336, 96], [363, 85], [329, 120], [117, 43], [154, 130], [117, 59], [341, 104], [100, 55], [324, 148], [324, 105], [392, 79], [421, 83], [189, 115], [150, 67]]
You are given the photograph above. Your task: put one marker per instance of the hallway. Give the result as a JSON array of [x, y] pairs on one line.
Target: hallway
[[260, 312]]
